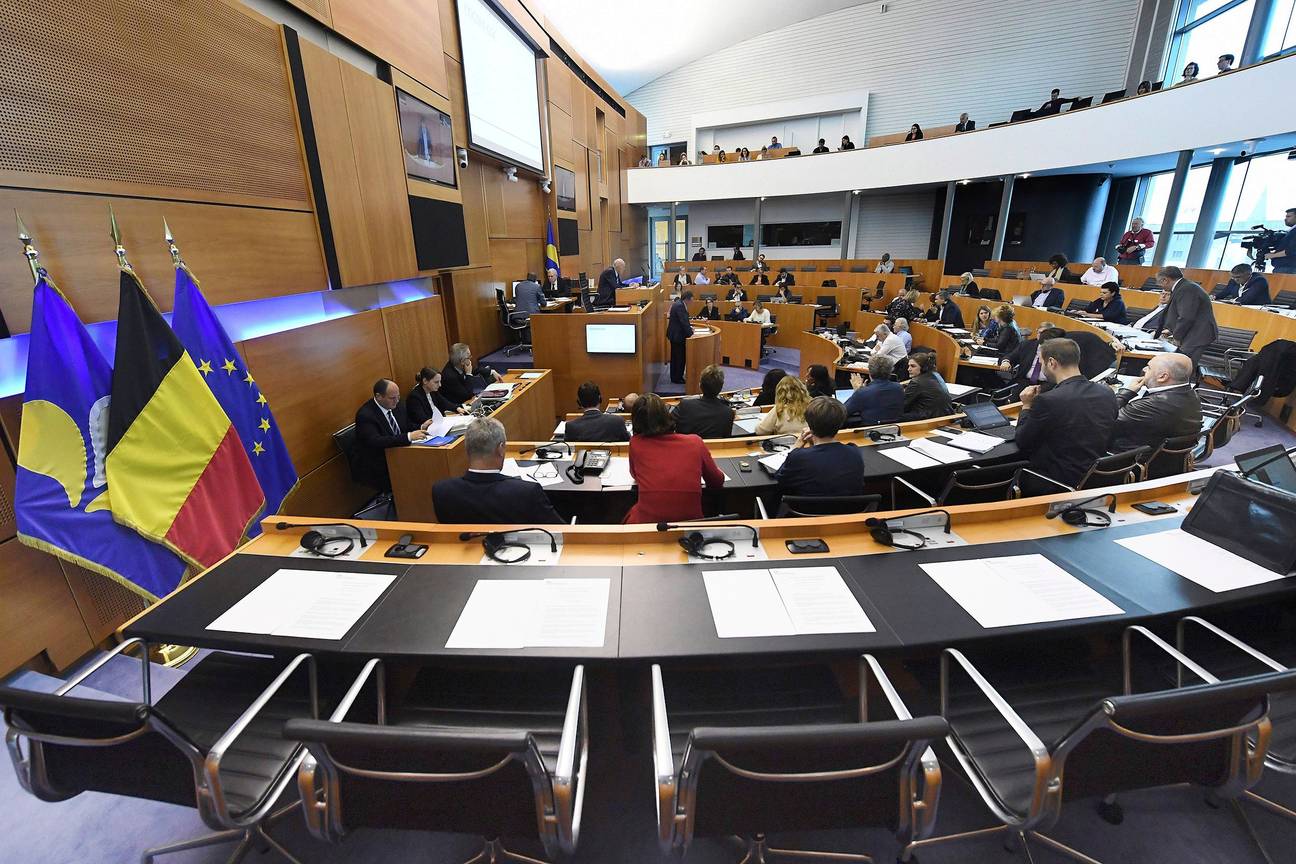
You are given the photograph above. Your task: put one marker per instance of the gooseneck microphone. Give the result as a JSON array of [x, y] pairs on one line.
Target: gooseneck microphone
[[283, 526], [711, 523], [543, 449], [472, 535]]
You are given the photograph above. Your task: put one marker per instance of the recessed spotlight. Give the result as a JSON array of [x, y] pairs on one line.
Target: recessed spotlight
[[1216, 150], [1023, 176], [855, 192], [964, 182]]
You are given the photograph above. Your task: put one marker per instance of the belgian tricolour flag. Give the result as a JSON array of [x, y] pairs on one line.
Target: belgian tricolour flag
[[178, 472]]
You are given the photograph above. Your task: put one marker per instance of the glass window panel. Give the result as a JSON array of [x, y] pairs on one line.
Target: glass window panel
[[1202, 8], [1158, 193], [1204, 43], [1282, 28], [1267, 192]]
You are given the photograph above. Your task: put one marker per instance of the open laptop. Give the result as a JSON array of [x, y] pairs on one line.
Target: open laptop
[[985, 415], [1021, 300], [1269, 465]]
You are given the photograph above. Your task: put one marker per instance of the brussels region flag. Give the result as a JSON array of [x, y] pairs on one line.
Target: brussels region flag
[[551, 250], [229, 380], [177, 469], [61, 495]]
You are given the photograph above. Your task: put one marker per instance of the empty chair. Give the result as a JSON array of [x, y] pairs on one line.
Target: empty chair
[[1150, 284], [1285, 298], [827, 308], [982, 485], [515, 322], [1113, 96], [1077, 306], [752, 752], [833, 268], [1134, 313], [1225, 356], [1083, 102], [991, 294], [808, 268], [212, 743], [1172, 456], [1056, 726], [1114, 469], [497, 754], [827, 505]]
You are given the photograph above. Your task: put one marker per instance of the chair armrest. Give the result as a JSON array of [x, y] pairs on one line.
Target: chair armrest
[[569, 773], [1181, 634], [1047, 479], [871, 670], [663, 764], [928, 501], [373, 667], [926, 779], [761, 512], [102, 661], [212, 788], [1181, 659]]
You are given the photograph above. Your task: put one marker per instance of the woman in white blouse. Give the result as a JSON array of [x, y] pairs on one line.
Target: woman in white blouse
[[787, 417], [759, 315]]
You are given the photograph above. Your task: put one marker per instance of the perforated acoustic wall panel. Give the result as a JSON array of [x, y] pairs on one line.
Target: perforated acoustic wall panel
[[152, 97], [900, 224]]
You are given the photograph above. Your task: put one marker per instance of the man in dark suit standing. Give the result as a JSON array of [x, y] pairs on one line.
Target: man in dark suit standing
[[1064, 430], [1162, 404], [380, 424], [943, 311], [822, 465], [1246, 288], [608, 283], [707, 416], [486, 496], [678, 330], [1189, 318], [594, 426]]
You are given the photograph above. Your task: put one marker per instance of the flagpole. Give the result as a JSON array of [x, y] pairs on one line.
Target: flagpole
[[118, 249], [33, 257]]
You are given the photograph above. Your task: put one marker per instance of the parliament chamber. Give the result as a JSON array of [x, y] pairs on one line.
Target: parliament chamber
[[428, 425]]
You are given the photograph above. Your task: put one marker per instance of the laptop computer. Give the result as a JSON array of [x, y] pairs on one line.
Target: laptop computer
[[1021, 300], [1269, 465], [985, 415]]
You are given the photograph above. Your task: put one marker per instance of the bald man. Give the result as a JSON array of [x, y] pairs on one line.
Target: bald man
[[1160, 405], [608, 283]]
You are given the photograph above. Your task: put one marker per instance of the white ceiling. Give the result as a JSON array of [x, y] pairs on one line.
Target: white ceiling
[[632, 43]]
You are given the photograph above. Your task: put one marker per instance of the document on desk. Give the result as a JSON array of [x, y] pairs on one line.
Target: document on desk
[[617, 474], [560, 430], [307, 604], [942, 453], [786, 601], [1197, 560], [957, 390], [1018, 589], [531, 376], [818, 600], [533, 613], [909, 457], [976, 442], [774, 461], [747, 424], [746, 603]]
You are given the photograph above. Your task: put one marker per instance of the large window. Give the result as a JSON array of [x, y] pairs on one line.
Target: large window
[[1206, 29], [1150, 203], [722, 238], [659, 231], [1281, 35], [801, 234]]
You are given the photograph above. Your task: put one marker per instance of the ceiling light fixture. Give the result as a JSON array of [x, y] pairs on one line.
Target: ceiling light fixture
[[1216, 150]]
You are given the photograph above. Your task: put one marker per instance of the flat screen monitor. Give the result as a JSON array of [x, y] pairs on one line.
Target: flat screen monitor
[[427, 140], [610, 338], [1270, 465]]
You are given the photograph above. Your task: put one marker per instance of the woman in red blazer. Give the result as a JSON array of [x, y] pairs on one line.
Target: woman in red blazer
[[668, 468]]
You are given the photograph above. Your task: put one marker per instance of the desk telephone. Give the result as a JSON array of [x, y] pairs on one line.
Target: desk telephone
[[588, 462]]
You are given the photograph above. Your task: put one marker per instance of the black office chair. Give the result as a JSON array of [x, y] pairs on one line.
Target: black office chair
[[798, 298], [991, 294], [517, 323], [1077, 306], [1285, 298], [497, 754], [766, 332], [1083, 102], [1114, 469], [1021, 114], [982, 485], [827, 505], [709, 295], [1113, 96], [1224, 357], [765, 298], [808, 268], [833, 268], [1058, 729], [1135, 313], [212, 743], [826, 308], [751, 752], [380, 505], [1172, 456], [1226, 404]]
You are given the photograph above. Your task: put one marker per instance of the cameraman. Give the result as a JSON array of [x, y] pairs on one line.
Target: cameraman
[[1284, 256]]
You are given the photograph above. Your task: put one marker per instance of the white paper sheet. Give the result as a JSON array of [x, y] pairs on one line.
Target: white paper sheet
[[1199, 560], [495, 615], [774, 461], [818, 600], [977, 442], [983, 361], [940, 452], [1019, 589], [957, 390], [307, 604], [908, 457], [533, 613], [617, 473], [745, 603], [747, 424], [573, 613], [531, 376]]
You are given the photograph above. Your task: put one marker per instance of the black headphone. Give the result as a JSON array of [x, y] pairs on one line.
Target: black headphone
[[883, 533], [695, 543], [495, 545], [1078, 514], [314, 542]]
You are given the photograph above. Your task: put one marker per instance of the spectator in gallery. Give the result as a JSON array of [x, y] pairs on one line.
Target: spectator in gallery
[[761, 155], [821, 148], [744, 155], [722, 156], [885, 264], [684, 160], [1144, 86], [700, 254], [738, 255], [915, 133], [645, 162], [1190, 73], [1054, 103], [965, 124], [774, 143], [663, 160], [846, 143], [1224, 64]]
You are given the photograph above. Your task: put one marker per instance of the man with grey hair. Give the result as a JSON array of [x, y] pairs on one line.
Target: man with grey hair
[[552, 287], [888, 344], [1100, 273], [460, 379], [1160, 405], [1189, 318], [902, 331], [1048, 296], [608, 283], [945, 311], [880, 401], [485, 495]]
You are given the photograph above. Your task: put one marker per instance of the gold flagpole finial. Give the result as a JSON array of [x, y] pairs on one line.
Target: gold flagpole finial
[[176, 260], [33, 257], [118, 248]]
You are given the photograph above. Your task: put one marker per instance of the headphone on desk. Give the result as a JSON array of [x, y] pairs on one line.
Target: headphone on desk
[[695, 543], [883, 533], [317, 544]]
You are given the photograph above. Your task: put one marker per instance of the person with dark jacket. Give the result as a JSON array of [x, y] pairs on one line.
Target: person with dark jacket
[[925, 397], [460, 379], [699, 255], [759, 278], [1064, 430], [1048, 295], [944, 311], [819, 381], [484, 495], [904, 306], [379, 425], [1160, 405], [707, 416], [785, 277], [821, 465], [1246, 288], [1006, 337], [593, 425], [915, 133], [678, 330], [965, 124], [768, 385], [426, 401], [1025, 363], [881, 400], [1189, 318], [1108, 307], [608, 283], [709, 311]]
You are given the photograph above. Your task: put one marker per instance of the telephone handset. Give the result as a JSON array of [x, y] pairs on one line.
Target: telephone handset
[[588, 462]]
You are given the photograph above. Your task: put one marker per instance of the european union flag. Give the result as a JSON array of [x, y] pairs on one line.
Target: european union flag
[[232, 384], [61, 495]]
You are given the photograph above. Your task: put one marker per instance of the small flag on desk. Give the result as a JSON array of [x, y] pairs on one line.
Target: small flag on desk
[[61, 496], [176, 465], [551, 250], [229, 380]]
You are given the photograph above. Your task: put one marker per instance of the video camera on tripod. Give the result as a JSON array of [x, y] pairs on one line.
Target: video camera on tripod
[[1261, 243]]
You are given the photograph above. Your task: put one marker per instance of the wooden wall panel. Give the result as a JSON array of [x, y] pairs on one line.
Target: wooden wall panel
[[239, 254], [406, 35], [39, 614], [580, 157], [560, 83], [475, 222], [416, 337], [448, 15], [560, 136], [475, 318], [513, 209], [327, 491], [104, 605], [316, 377], [317, 9]]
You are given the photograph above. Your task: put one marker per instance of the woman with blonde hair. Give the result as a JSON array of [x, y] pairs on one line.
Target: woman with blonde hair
[[787, 417]]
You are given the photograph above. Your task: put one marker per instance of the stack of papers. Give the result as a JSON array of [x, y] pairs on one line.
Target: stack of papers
[[1016, 590], [909, 457], [560, 430], [544, 473], [774, 461], [983, 361], [497, 391], [533, 613], [790, 601], [307, 604], [617, 474], [531, 376], [940, 452], [977, 442], [1200, 561]]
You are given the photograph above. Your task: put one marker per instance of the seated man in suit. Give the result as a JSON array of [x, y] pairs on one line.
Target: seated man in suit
[[822, 465], [460, 379], [594, 426], [1064, 430], [707, 416], [380, 423], [881, 400], [552, 286], [486, 496], [944, 311], [608, 283], [528, 296], [1162, 404], [965, 124], [1025, 363], [1246, 288], [737, 313], [709, 311], [1151, 322], [1049, 296]]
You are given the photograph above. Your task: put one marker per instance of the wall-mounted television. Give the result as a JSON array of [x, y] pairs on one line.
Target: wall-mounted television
[[427, 140], [610, 338]]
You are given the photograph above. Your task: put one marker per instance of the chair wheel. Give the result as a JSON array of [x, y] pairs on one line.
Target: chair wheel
[[1112, 814]]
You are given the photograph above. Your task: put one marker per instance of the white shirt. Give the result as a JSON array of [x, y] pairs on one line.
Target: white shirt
[[391, 418], [1041, 301], [1100, 277], [701, 279], [761, 317], [884, 267], [1148, 317], [893, 347]]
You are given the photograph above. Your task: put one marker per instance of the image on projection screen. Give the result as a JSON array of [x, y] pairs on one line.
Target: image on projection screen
[[500, 82]]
